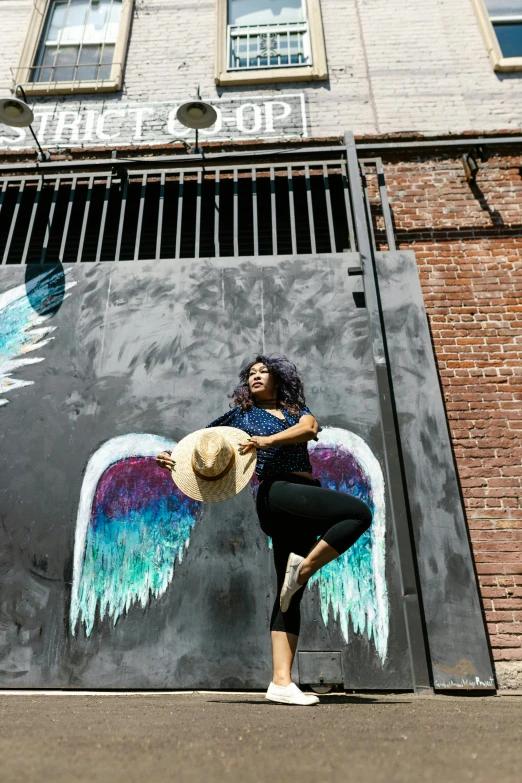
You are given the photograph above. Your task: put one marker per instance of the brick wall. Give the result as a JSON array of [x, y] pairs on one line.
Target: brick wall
[[468, 245]]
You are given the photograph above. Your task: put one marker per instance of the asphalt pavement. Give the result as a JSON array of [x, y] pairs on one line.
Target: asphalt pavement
[[195, 737]]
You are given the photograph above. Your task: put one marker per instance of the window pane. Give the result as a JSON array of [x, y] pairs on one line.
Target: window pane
[[265, 11], [107, 58], [510, 39], [88, 63], [114, 21], [56, 21], [504, 7], [74, 22], [67, 55], [44, 74], [102, 24]]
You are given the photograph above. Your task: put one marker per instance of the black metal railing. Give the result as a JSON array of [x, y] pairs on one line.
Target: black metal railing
[[128, 212]]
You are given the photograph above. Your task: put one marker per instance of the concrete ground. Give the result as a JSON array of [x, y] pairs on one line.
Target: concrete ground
[[152, 738]]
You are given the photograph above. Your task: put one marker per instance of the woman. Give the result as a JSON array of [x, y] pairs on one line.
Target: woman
[[291, 505]]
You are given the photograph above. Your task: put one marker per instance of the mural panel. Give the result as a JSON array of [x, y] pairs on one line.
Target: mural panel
[[110, 576]]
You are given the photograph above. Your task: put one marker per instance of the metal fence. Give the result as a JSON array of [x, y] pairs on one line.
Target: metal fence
[[125, 213], [268, 45]]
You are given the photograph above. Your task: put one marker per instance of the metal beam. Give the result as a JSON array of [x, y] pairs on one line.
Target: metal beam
[[194, 160], [395, 480]]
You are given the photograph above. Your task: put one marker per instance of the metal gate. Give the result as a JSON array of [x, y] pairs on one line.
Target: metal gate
[[110, 577]]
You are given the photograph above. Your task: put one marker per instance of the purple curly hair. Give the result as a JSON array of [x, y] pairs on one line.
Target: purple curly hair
[[290, 390]]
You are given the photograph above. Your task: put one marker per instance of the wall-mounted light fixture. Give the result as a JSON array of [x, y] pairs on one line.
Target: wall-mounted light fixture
[[196, 114], [16, 112]]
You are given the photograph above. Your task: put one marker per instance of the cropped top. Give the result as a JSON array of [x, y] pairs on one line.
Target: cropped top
[[258, 421]]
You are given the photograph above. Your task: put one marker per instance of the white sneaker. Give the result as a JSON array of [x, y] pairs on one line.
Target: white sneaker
[[290, 586], [290, 694]]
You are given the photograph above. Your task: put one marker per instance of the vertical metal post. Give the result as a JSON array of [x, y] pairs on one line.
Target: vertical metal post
[[160, 216], [329, 208], [31, 221], [124, 183], [45, 245], [180, 215], [85, 218], [292, 210], [13, 221], [2, 194], [140, 217], [417, 644], [310, 210], [235, 214], [216, 215], [198, 214], [385, 205], [273, 210], [254, 212], [364, 182], [104, 216], [67, 219], [351, 232]]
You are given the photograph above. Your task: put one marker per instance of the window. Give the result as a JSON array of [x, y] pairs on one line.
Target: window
[[75, 46], [267, 35], [260, 41], [501, 24], [78, 41]]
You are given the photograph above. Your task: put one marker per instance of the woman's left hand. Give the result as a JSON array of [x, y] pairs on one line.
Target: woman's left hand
[[257, 442]]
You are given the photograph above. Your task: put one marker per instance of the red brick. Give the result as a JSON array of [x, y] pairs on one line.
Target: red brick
[[515, 628], [471, 281], [505, 640], [510, 654]]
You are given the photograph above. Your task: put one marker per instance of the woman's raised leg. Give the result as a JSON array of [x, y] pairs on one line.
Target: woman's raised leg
[[321, 554], [338, 518]]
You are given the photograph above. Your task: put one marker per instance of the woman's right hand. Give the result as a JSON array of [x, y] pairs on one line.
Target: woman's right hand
[[164, 460]]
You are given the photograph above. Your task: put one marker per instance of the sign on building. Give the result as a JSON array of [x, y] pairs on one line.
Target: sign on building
[[119, 123]]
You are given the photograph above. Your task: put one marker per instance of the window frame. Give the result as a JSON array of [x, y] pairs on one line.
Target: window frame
[[317, 71], [500, 63], [31, 46]]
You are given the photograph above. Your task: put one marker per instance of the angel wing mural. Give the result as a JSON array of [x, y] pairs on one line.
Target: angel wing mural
[[354, 585], [24, 311], [133, 524]]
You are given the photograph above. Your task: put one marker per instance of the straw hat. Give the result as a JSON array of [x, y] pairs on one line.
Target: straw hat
[[209, 466]]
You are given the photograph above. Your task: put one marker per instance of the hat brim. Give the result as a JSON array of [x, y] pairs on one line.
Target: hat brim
[[224, 488]]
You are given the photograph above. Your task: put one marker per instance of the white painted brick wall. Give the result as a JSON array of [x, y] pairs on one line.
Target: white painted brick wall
[[413, 65]]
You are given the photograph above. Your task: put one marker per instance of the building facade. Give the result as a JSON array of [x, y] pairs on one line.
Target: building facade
[[431, 91]]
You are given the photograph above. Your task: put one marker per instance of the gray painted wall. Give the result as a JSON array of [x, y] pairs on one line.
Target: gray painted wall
[[154, 348], [456, 633]]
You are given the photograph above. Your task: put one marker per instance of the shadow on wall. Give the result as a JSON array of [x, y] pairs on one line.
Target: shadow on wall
[[52, 300], [25, 311]]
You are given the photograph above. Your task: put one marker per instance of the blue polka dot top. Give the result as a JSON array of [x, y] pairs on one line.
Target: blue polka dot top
[[276, 459]]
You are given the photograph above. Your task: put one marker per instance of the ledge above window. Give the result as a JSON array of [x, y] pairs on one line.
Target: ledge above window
[[264, 52], [99, 73]]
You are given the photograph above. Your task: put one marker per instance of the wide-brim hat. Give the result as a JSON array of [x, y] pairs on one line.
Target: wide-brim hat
[[208, 464]]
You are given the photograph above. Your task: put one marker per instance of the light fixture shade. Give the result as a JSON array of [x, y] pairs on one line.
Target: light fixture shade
[[15, 112], [196, 114]]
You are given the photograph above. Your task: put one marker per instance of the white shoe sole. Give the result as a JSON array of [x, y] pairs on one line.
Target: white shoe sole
[[292, 703]]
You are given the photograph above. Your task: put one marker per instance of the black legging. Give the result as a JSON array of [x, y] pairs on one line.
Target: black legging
[[295, 512]]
